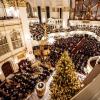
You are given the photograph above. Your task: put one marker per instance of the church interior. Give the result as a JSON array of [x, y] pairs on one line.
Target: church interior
[[49, 49]]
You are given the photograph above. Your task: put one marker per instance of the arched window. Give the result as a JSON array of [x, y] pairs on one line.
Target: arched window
[[29, 10], [2, 10], [7, 69], [4, 47], [16, 39]]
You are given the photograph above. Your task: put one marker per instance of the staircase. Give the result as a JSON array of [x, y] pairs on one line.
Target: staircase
[[92, 90]]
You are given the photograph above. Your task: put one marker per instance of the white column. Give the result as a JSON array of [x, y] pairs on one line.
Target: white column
[[26, 32], [43, 13], [65, 19], [15, 64], [2, 10], [66, 4], [35, 13], [54, 14], [8, 36]]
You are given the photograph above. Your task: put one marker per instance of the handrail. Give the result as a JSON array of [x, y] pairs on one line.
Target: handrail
[[10, 22], [89, 91]]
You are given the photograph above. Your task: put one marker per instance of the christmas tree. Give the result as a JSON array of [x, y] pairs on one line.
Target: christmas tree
[[65, 82]]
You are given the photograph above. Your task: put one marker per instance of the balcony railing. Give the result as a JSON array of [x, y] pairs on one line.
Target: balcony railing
[[84, 22], [56, 22], [9, 22], [33, 20]]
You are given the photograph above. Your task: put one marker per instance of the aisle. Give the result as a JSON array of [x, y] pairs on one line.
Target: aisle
[[47, 92]]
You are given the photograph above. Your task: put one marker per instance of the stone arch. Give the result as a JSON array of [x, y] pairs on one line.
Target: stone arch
[[29, 10]]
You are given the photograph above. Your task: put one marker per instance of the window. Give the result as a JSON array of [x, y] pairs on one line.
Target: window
[[8, 12], [4, 47], [16, 39], [29, 10], [2, 10]]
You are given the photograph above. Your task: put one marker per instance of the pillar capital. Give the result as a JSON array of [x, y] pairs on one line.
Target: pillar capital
[[19, 3]]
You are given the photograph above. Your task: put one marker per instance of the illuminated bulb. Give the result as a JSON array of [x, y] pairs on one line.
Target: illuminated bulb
[[16, 61], [51, 40]]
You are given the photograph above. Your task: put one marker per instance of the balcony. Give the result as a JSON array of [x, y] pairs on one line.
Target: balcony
[[90, 92], [55, 22], [9, 22], [33, 20], [84, 22]]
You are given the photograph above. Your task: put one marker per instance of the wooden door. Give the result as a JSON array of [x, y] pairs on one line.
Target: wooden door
[[7, 69]]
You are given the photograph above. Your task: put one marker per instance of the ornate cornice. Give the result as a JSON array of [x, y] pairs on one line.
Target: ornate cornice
[[19, 3]]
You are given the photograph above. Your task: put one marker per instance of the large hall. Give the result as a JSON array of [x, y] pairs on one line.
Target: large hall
[[49, 49]]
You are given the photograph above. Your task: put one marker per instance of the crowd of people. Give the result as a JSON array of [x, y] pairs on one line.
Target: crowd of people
[[80, 47], [62, 44], [23, 82], [38, 30]]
